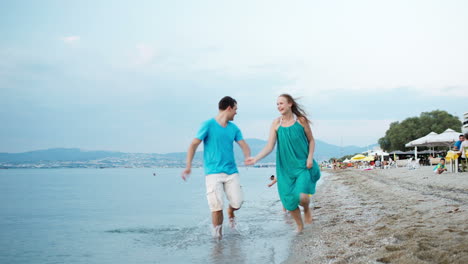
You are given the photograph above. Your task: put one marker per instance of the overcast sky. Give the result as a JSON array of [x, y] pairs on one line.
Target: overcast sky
[[140, 76]]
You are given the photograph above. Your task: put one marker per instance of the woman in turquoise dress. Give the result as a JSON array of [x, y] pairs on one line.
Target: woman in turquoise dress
[[297, 171]]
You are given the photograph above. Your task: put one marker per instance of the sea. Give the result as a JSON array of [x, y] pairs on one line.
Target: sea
[[135, 215]]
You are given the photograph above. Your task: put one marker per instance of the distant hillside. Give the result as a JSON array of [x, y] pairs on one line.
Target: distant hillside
[[323, 151], [58, 154]]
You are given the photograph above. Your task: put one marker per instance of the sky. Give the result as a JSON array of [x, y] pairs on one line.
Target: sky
[[141, 76]]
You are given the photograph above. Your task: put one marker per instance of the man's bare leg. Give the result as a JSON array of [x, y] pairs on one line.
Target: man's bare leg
[[307, 212], [217, 220], [230, 212], [296, 214]]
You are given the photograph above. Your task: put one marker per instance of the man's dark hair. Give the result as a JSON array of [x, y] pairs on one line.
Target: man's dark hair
[[466, 135], [442, 159], [461, 135], [225, 102]]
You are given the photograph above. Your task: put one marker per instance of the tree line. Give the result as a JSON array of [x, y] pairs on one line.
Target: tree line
[[412, 128]]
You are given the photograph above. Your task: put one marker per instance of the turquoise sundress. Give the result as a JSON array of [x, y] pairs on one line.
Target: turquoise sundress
[[291, 165]]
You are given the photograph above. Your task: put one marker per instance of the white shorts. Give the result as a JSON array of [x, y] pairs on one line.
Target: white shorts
[[219, 183]]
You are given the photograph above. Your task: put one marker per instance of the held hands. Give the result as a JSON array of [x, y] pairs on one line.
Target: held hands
[[250, 161], [186, 173]]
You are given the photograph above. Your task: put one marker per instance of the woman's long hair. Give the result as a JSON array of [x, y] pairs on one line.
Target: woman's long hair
[[296, 108]]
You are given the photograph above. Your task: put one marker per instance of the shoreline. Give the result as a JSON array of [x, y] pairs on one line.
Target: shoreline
[[386, 216]]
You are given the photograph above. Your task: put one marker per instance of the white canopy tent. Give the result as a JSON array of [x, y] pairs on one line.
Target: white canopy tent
[[422, 141], [446, 138]]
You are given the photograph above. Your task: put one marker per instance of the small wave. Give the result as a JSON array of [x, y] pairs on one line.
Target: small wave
[[141, 230]]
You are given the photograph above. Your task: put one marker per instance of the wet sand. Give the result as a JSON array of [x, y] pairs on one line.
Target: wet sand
[[387, 216]]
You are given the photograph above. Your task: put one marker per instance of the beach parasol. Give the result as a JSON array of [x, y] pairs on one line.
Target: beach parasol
[[358, 157], [446, 138], [422, 141]]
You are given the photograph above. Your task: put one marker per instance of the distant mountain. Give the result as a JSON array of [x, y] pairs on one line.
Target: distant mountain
[[58, 154], [323, 151]]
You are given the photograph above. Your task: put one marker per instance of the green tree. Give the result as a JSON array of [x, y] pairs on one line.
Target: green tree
[[415, 127]]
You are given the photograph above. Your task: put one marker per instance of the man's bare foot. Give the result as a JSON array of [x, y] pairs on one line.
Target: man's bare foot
[[218, 232], [232, 223], [307, 215]]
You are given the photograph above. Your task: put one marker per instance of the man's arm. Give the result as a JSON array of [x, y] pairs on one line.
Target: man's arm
[[190, 154], [245, 148]]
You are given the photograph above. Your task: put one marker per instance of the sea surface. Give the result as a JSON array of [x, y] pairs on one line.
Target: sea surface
[[132, 216]]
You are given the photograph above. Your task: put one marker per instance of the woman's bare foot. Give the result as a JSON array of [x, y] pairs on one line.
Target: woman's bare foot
[[299, 228]]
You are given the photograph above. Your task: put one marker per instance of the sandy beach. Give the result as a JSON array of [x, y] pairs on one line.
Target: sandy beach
[[387, 216]]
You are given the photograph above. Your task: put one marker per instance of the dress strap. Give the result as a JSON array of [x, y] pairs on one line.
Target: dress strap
[[281, 119]]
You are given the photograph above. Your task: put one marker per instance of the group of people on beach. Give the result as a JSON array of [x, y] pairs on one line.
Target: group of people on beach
[[296, 170], [460, 148]]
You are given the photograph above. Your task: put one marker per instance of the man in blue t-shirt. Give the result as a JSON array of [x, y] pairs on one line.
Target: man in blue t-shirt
[[457, 144], [218, 135], [457, 147]]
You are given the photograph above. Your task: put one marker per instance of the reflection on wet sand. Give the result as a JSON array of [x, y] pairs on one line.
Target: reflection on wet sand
[[228, 250]]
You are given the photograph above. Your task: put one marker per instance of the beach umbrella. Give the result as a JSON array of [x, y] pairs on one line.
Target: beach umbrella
[[446, 138], [422, 141], [358, 157], [370, 158]]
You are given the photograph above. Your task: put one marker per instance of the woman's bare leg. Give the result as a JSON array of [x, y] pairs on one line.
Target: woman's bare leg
[[307, 212], [296, 214]]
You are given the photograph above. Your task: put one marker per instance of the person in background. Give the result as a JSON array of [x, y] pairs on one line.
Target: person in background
[[457, 144], [457, 147], [440, 167], [462, 153], [273, 180]]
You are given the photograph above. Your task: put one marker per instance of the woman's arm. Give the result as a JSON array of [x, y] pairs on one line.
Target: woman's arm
[[269, 146], [310, 138]]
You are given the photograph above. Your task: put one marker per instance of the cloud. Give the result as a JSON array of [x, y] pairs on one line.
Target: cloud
[[70, 39], [145, 55]]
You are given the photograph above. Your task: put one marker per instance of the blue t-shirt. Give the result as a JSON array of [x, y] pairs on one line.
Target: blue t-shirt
[[458, 144], [218, 153]]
